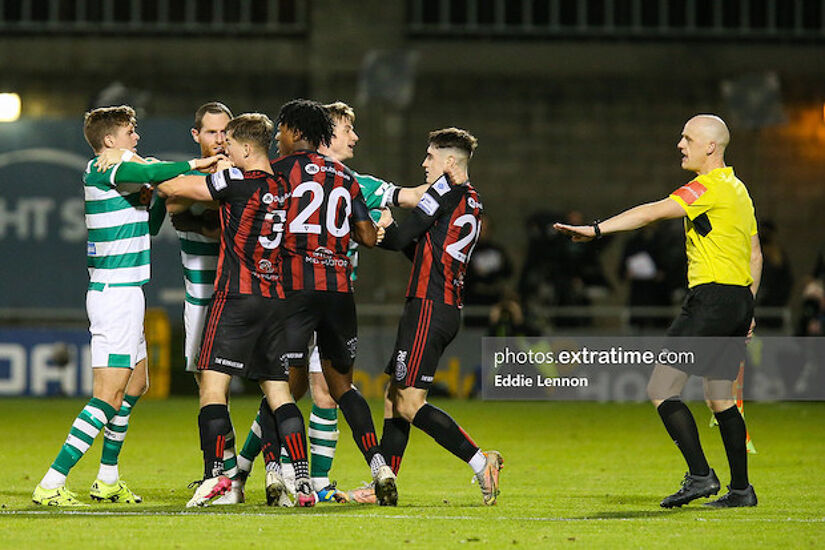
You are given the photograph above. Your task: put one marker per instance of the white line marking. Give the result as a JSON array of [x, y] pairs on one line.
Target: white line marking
[[669, 517]]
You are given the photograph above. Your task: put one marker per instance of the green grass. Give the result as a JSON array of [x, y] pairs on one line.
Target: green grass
[[577, 475]]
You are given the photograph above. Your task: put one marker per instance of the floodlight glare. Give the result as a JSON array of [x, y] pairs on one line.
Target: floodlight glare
[[9, 107]]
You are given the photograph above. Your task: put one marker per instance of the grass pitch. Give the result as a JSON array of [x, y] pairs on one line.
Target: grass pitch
[[576, 475]]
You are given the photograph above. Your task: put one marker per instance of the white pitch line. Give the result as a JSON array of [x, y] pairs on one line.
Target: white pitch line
[[395, 516]]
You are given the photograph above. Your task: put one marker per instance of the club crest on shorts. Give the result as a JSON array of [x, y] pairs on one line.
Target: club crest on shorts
[[401, 365], [352, 347]]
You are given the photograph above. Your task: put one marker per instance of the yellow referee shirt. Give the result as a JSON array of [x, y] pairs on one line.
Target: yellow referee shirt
[[719, 225]]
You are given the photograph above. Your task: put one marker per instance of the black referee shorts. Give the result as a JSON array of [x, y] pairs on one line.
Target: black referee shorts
[[722, 314], [331, 315], [242, 336], [425, 330]]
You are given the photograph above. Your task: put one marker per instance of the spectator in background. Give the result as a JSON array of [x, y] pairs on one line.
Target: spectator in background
[[777, 279], [640, 266], [487, 273]]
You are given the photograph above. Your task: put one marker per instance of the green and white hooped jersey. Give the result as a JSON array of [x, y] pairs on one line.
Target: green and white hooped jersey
[[199, 255], [117, 220], [377, 194]]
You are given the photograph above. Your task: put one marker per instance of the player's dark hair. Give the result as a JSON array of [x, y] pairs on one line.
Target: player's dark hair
[[308, 118], [213, 108], [454, 138], [100, 122], [254, 128], [340, 111]]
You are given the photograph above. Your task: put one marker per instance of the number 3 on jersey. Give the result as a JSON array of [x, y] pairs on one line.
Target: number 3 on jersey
[[458, 249], [299, 223], [273, 230]]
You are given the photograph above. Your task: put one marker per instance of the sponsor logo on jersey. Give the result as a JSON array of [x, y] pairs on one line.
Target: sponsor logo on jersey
[[474, 203], [312, 169], [267, 198], [91, 249], [265, 266], [228, 363], [441, 186], [428, 204], [325, 256], [401, 365], [332, 169]]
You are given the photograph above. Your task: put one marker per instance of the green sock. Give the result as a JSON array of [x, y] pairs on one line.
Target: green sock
[[323, 437], [113, 436], [230, 461], [251, 448], [94, 416]]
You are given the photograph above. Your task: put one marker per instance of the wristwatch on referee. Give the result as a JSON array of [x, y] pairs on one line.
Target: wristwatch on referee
[[596, 229]]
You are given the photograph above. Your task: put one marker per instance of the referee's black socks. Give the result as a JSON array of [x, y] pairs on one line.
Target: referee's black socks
[[681, 426], [734, 437], [441, 427]]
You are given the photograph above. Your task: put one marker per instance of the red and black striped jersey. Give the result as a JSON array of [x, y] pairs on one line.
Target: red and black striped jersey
[[443, 251], [321, 199], [251, 232]]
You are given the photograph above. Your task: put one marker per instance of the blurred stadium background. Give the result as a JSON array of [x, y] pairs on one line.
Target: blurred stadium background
[[577, 105]]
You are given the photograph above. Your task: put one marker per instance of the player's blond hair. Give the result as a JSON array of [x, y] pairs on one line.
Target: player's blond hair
[[103, 121], [340, 111]]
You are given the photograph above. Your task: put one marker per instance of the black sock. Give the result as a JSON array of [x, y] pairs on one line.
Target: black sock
[[441, 427], [214, 424], [270, 439], [293, 437], [681, 426], [734, 435], [359, 418], [394, 441]]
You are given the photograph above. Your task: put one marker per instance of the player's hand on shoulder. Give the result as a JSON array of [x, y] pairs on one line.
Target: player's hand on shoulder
[[207, 163], [110, 157], [186, 221], [579, 233]]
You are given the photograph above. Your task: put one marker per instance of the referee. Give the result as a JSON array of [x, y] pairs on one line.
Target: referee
[[724, 268]]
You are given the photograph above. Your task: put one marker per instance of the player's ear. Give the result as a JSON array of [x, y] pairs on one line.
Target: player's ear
[[195, 134], [109, 140], [711, 148]]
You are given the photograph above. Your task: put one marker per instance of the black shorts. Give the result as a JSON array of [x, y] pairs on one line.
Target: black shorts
[[331, 315], [722, 314], [425, 330], [242, 336]]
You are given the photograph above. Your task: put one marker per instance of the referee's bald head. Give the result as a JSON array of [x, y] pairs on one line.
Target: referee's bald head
[[712, 128]]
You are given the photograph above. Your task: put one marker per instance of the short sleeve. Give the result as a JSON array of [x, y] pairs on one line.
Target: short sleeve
[[221, 183], [695, 198], [754, 226]]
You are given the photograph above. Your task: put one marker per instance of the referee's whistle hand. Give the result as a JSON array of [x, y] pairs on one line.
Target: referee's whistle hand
[[579, 233]]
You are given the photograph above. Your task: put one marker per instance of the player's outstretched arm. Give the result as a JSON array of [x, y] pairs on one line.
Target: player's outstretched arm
[[633, 218], [409, 197], [190, 188]]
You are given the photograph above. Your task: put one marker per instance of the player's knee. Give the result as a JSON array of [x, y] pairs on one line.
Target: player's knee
[[407, 405], [719, 405]]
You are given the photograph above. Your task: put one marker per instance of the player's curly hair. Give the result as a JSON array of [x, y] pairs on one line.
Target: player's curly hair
[[255, 128], [310, 119], [100, 122], [454, 138]]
